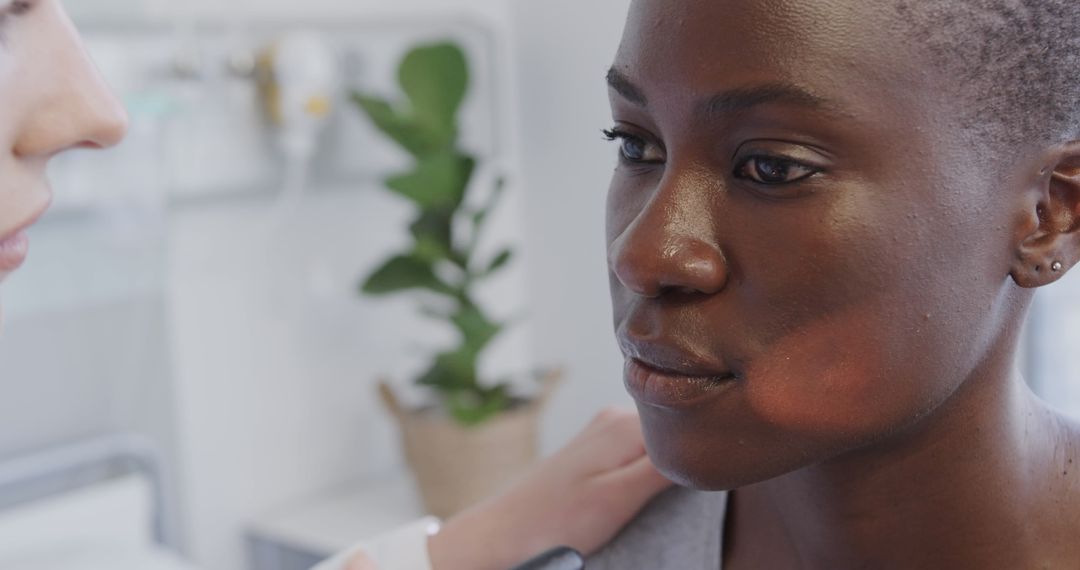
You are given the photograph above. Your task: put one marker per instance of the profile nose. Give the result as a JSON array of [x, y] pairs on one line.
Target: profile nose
[[107, 121], [74, 107], [653, 256], [96, 117]]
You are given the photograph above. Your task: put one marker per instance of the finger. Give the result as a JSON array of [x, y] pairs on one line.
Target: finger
[[611, 441], [612, 414], [361, 562], [640, 479], [620, 443]]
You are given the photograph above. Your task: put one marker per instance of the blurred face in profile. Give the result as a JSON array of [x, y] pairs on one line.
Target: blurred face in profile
[[51, 99]]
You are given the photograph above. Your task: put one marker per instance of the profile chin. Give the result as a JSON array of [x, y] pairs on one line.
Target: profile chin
[[693, 465], [706, 458]]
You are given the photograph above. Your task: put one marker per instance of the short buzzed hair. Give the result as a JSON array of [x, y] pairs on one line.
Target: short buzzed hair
[[1015, 63]]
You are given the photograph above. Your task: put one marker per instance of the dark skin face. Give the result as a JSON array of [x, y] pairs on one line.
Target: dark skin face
[[795, 227]]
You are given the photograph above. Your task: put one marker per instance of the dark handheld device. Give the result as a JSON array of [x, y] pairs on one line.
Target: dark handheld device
[[562, 558]]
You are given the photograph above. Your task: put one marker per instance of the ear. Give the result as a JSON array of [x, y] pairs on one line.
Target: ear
[[1049, 235]]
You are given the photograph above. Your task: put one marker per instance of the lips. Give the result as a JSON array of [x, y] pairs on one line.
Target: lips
[[13, 250], [15, 245], [668, 376], [673, 356]]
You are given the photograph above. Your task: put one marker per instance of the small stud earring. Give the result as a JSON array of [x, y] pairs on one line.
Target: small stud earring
[[1057, 266]]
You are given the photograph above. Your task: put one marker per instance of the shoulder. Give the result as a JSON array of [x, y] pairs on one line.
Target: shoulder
[[680, 528]]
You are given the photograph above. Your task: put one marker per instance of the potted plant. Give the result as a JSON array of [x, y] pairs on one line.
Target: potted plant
[[476, 435]]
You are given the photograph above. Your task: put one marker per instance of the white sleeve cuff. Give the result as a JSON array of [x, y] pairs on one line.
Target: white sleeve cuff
[[404, 548]]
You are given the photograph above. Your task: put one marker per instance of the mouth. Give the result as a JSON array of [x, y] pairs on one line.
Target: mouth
[[15, 245], [665, 377], [671, 390]]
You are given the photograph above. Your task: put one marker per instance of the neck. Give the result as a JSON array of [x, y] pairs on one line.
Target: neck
[[959, 486]]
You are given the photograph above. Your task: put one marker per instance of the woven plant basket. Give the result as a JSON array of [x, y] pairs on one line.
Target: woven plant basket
[[455, 466]]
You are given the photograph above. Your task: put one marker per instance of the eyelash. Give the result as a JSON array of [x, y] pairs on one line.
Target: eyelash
[[740, 169], [14, 10], [615, 134]]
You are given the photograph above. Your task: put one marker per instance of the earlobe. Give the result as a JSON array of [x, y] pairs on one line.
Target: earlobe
[[1049, 243]]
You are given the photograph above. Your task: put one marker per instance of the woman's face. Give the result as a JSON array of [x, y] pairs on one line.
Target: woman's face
[[804, 260], [51, 100]]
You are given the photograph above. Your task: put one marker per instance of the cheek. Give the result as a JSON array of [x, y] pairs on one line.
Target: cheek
[[856, 374], [872, 355], [859, 334]]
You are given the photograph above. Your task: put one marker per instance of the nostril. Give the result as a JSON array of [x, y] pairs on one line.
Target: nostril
[[639, 279], [632, 266]]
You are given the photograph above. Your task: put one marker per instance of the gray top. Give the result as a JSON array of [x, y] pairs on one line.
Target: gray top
[[681, 529]]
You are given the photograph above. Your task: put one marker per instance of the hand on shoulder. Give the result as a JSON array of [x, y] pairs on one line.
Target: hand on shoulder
[[579, 497]]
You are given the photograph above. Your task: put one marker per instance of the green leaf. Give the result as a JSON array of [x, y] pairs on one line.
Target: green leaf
[[456, 369], [499, 262], [475, 328], [402, 273], [433, 232], [451, 371], [438, 182], [430, 249], [435, 78], [435, 225], [416, 138], [471, 408]]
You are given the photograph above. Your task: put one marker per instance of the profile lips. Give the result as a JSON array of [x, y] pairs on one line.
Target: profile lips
[[658, 388], [672, 361], [14, 246], [674, 373]]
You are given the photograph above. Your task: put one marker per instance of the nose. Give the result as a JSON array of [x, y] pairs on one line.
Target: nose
[[73, 107], [671, 245]]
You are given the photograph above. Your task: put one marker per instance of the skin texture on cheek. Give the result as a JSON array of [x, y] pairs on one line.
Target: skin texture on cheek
[[837, 379], [816, 381]]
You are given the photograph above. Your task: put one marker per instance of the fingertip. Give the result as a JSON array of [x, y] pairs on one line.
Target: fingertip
[[361, 562], [641, 475]]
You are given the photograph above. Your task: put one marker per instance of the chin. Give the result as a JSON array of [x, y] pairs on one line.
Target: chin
[[700, 452]]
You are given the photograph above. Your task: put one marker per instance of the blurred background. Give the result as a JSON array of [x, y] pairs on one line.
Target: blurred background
[[191, 312]]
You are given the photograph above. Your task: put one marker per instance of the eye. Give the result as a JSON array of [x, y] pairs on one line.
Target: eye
[[13, 8], [634, 149], [774, 170]]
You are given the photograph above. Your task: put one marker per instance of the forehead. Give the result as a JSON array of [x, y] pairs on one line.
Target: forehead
[[846, 51]]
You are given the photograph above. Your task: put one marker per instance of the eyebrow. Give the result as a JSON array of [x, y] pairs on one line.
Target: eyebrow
[[623, 86], [733, 101]]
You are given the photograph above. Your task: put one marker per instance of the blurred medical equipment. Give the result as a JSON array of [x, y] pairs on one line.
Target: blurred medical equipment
[[196, 88], [298, 81]]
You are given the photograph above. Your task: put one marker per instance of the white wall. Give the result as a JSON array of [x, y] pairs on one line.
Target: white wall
[[276, 356], [328, 428], [564, 48]]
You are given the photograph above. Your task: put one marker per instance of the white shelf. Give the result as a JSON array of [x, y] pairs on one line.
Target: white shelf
[[340, 519]]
